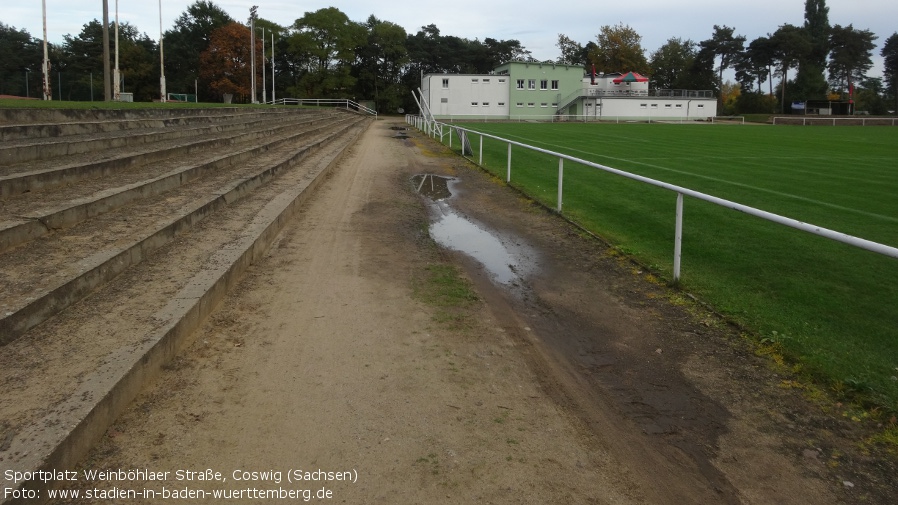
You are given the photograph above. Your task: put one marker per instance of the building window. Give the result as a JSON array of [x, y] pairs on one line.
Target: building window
[[445, 83], [519, 104], [701, 106], [473, 104], [444, 100], [501, 80], [667, 106], [679, 105], [554, 84], [555, 105], [501, 104], [654, 105], [544, 84], [531, 84], [485, 81], [531, 104], [544, 104], [520, 83], [643, 106], [485, 104], [475, 80]]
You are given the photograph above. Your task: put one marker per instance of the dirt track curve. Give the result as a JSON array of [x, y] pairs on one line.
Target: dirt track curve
[[577, 382]]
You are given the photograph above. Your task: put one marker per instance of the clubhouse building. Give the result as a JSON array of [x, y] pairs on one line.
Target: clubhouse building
[[554, 92]]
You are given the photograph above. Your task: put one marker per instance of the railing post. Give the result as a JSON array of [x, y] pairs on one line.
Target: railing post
[[508, 177], [678, 238], [481, 150], [560, 181]]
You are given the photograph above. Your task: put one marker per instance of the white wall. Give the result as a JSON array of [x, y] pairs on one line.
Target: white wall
[[653, 107], [463, 95]]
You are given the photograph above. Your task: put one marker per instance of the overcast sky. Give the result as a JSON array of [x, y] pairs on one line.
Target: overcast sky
[[536, 24]]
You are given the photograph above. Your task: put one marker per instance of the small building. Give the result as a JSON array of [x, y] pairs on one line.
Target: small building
[[556, 92]]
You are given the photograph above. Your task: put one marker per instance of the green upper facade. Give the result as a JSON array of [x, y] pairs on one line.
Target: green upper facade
[[536, 88]]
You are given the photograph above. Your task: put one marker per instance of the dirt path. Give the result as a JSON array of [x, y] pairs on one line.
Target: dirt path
[[581, 384]]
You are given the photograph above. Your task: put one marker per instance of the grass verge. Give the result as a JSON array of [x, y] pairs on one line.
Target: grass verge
[[451, 295]]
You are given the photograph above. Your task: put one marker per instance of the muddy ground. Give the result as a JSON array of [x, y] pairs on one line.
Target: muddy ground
[[581, 379]]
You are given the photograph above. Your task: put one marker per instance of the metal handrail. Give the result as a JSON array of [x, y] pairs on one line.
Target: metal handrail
[[680, 190], [325, 102]]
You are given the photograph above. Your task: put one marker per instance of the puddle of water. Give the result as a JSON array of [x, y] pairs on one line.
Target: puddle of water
[[399, 129], [432, 186], [453, 231]]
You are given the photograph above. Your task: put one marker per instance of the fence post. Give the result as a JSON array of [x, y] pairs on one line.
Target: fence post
[[508, 177], [481, 149], [560, 180], [678, 238]]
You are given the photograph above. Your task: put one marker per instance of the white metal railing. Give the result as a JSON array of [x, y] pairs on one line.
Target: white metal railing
[[834, 121], [325, 102], [434, 129]]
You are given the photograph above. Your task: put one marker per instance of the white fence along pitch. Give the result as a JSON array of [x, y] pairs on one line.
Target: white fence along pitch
[[436, 129]]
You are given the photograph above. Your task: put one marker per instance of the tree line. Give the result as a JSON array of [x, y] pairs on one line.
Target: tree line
[[324, 54]]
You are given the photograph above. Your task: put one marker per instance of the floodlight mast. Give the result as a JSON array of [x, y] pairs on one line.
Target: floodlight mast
[[161, 57], [252, 51], [117, 89], [264, 85], [107, 88], [48, 95]]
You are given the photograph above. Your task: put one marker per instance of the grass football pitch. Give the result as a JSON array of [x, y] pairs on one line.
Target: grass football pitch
[[831, 308]]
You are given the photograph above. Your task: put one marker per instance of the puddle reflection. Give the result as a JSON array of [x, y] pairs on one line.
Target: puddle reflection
[[453, 231]]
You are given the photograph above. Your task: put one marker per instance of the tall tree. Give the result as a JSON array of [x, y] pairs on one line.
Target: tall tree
[[225, 64], [424, 50], [755, 64], [184, 43], [701, 75], [790, 45], [20, 64], [850, 59], [816, 25], [869, 96], [329, 42], [502, 51], [724, 45], [672, 62], [809, 80], [380, 64], [81, 63], [572, 52], [889, 54], [619, 49]]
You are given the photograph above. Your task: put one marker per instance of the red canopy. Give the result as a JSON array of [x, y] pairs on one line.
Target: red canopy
[[630, 77]]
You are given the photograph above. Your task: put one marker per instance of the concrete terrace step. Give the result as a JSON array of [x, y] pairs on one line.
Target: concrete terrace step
[[27, 177], [32, 131], [24, 150], [28, 116], [66, 380], [27, 216], [69, 264]]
